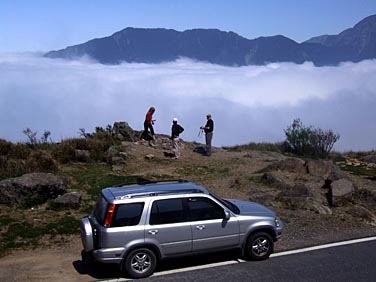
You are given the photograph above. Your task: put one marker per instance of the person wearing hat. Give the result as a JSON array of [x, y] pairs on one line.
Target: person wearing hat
[[208, 128], [176, 129]]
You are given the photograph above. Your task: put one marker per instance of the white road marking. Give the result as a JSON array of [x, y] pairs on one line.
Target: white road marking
[[355, 241], [309, 249]]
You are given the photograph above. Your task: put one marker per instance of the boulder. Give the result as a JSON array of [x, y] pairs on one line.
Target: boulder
[[82, 155], [324, 170], [361, 213], [30, 189], [68, 200], [341, 191], [117, 160], [149, 157], [300, 197], [122, 130], [273, 180], [111, 152]]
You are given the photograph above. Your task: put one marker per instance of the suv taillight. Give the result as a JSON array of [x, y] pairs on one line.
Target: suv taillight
[[109, 215]]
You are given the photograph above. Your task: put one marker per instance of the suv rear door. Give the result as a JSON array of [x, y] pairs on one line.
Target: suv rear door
[[210, 229], [169, 227]]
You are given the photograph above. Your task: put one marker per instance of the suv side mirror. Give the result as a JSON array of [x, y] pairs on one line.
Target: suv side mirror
[[227, 215]]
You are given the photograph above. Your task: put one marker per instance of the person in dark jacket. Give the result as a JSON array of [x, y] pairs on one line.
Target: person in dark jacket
[[208, 128], [176, 129]]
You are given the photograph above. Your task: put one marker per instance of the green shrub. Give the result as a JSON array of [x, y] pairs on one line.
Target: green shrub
[[309, 141]]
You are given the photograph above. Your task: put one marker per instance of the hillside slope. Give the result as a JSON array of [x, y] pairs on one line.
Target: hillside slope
[[270, 178]]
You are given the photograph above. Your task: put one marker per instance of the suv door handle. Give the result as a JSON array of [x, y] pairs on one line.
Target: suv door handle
[[200, 227], [153, 232]]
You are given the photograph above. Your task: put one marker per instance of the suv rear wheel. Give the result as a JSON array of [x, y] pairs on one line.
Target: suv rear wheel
[[140, 263], [259, 246]]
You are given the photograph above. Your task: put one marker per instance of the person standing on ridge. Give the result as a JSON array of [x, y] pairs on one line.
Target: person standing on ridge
[[148, 125], [176, 129], [208, 128]]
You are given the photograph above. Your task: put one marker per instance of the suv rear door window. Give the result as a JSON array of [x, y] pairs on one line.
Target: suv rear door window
[[127, 214], [167, 211]]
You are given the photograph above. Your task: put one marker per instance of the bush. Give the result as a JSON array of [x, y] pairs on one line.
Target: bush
[[309, 141], [41, 161], [12, 159], [11, 167], [4, 147]]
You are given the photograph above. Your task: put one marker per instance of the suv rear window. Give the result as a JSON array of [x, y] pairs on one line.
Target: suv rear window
[[127, 214]]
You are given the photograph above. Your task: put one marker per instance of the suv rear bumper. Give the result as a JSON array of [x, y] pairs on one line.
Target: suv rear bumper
[[112, 255]]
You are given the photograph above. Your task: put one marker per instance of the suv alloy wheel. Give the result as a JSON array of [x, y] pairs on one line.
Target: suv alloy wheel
[[140, 263], [259, 246]]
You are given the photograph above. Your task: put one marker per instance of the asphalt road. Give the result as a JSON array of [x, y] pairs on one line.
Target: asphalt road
[[354, 262]]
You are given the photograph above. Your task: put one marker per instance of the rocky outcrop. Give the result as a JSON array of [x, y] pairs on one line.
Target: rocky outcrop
[[301, 197], [30, 189], [123, 131], [324, 170], [299, 184]]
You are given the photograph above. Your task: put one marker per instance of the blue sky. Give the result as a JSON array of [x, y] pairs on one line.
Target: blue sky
[[44, 25]]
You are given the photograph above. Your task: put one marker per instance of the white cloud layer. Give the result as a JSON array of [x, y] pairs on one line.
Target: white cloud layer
[[248, 104]]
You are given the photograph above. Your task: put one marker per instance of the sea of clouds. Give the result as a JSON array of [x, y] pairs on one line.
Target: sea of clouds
[[248, 104]]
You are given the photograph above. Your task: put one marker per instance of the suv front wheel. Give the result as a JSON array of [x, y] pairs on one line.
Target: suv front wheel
[[140, 263], [259, 246]]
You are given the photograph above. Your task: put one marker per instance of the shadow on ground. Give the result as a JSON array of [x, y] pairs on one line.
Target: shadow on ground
[[97, 270]]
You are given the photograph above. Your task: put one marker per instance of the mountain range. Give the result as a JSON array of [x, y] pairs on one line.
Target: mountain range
[[157, 45]]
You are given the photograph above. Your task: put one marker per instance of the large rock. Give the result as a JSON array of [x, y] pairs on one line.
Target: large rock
[[301, 197], [324, 170], [68, 200], [122, 130], [30, 189], [342, 191]]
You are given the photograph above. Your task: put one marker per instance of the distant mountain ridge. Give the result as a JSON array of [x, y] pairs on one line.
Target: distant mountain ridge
[[214, 46]]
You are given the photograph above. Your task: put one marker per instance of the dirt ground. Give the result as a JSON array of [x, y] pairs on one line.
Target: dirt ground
[[62, 261]]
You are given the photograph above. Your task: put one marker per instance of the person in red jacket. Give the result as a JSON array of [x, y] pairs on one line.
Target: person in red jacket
[[148, 125]]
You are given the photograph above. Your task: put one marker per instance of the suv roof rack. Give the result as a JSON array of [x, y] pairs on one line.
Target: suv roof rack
[[144, 181], [159, 192]]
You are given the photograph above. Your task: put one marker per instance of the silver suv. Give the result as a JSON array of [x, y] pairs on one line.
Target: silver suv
[[137, 225]]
